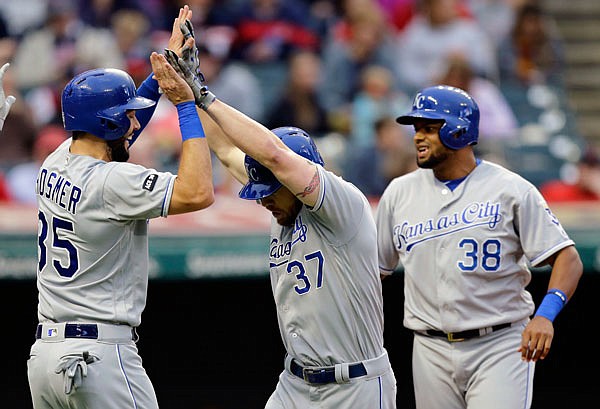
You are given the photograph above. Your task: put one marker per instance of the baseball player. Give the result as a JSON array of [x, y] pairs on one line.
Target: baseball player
[[5, 101], [322, 259], [464, 230], [93, 236]]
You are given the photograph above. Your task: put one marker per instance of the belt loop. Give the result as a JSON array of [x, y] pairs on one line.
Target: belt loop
[[342, 373]]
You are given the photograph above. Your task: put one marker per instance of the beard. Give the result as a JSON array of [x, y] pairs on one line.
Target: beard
[[289, 219], [434, 159], [117, 150]]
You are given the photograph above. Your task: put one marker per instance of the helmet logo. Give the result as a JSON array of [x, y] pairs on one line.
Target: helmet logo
[[419, 101], [253, 173], [424, 102]]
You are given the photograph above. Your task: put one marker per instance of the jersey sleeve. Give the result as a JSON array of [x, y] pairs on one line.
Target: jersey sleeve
[[148, 89], [134, 192], [540, 230], [341, 207], [387, 253]]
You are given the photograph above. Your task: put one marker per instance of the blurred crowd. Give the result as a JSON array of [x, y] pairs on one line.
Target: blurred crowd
[[342, 70]]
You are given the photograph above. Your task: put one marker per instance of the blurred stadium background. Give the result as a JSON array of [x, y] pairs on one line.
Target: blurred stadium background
[[209, 336]]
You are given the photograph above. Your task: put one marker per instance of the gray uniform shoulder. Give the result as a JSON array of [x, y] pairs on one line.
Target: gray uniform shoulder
[[501, 176]]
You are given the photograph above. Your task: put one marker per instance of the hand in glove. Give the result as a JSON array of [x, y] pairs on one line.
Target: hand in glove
[[5, 102]]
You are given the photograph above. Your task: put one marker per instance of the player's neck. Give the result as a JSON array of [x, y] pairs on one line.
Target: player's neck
[[458, 165], [91, 146]]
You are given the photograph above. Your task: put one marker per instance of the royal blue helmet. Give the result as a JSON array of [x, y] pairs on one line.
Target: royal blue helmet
[[452, 105], [97, 101], [261, 181]]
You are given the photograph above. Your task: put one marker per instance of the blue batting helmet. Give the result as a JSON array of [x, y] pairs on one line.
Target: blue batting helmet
[[97, 101], [452, 105], [261, 181]]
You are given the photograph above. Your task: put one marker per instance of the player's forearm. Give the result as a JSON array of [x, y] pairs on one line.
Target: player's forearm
[[193, 189], [247, 134], [227, 153], [567, 269]]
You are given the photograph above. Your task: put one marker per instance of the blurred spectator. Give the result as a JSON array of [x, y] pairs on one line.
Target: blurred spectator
[[533, 53], [48, 57], [496, 17], [439, 30], [497, 119], [579, 183], [19, 131], [20, 18], [367, 42], [392, 155], [399, 12], [131, 29], [21, 178], [299, 104], [206, 13], [376, 98], [99, 13], [324, 14], [8, 44], [267, 32], [64, 45], [231, 80]]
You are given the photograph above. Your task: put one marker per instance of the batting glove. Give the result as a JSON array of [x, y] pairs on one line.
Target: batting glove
[[5, 102], [74, 369], [203, 97]]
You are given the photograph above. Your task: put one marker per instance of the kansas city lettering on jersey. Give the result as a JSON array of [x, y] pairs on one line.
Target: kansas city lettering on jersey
[[473, 215], [279, 250], [58, 189]]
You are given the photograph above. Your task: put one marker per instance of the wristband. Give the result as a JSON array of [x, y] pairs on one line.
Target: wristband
[[206, 98], [551, 305], [189, 122], [559, 293]]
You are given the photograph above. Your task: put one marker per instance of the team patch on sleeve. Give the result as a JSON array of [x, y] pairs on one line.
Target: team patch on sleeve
[[150, 182]]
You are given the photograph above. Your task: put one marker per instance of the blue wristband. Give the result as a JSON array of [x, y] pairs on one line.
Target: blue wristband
[[189, 122], [551, 304], [559, 293]]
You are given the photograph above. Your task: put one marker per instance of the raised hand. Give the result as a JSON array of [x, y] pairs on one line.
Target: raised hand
[[177, 41], [5, 102], [202, 95], [170, 82], [189, 53]]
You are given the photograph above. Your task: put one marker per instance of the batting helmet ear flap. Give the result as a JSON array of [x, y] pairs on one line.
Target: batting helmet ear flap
[[452, 105], [97, 101]]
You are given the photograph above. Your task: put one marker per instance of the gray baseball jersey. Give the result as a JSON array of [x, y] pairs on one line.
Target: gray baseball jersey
[[93, 270], [465, 254], [93, 242], [328, 295]]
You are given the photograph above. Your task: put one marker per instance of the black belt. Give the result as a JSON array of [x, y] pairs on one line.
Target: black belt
[[464, 335], [324, 375], [87, 331]]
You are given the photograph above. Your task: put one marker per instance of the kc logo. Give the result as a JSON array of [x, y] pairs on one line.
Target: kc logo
[[424, 102], [252, 174], [419, 101]]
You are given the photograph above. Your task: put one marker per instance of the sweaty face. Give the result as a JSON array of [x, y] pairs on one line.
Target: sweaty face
[[430, 150], [283, 205]]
